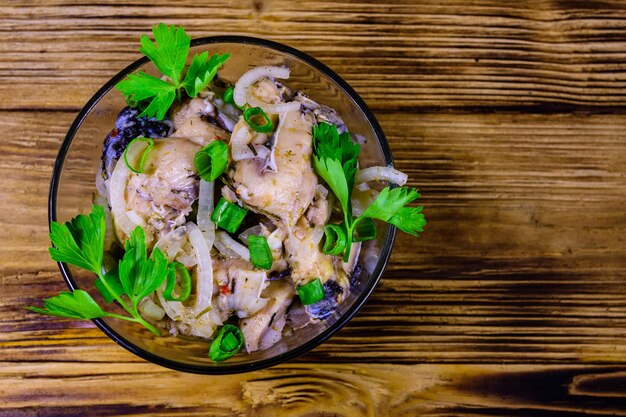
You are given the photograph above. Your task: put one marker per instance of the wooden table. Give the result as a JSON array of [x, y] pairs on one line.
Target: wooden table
[[508, 116]]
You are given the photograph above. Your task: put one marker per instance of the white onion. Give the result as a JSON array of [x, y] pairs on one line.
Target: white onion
[[171, 242], [254, 230], [270, 163], [231, 246], [275, 239], [355, 250], [321, 190], [279, 108], [380, 174], [246, 80], [134, 217], [191, 318], [361, 200], [317, 234], [204, 268], [246, 297], [205, 209], [117, 191], [187, 259], [363, 186], [101, 184], [150, 309]]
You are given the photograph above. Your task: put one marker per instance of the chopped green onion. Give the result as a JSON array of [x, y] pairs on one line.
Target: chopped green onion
[[227, 343], [211, 161], [185, 282], [334, 239], [228, 98], [228, 95], [112, 278], [228, 216], [311, 292], [260, 253], [253, 114], [142, 157], [365, 229]]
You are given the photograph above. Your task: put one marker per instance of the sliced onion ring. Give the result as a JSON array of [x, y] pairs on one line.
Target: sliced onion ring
[[240, 92], [279, 108], [380, 174], [205, 208], [227, 244]]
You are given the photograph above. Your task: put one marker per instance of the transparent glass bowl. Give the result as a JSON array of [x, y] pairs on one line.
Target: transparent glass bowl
[[72, 189]]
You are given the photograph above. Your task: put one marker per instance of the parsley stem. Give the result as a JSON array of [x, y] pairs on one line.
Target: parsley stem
[[114, 293], [349, 228], [145, 324], [135, 319], [119, 316]]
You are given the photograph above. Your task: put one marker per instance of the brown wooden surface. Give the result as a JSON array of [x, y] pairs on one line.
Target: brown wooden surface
[[509, 117]]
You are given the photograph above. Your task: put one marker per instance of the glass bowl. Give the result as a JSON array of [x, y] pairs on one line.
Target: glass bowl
[[73, 186]]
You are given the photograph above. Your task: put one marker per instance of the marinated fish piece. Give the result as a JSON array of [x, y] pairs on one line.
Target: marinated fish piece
[[265, 328], [159, 198], [286, 194], [190, 122], [240, 287], [307, 262]]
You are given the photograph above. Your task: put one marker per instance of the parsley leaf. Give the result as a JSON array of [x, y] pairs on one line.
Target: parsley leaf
[[140, 275], [328, 143], [335, 159], [80, 242], [169, 54], [201, 72], [409, 220], [141, 86], [77, 304], [390, 206], [388, 202], [331, 171]]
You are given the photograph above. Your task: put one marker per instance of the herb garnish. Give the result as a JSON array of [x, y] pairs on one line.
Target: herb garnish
[[80, 242], [335, 159], [169, 54]]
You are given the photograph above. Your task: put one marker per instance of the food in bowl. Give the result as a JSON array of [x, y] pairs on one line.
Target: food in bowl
[[228, 210]]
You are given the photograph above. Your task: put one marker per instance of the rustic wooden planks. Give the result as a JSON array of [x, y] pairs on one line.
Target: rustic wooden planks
[[509, 117]]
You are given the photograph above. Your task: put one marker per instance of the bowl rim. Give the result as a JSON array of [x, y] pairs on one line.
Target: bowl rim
[[225, 368]]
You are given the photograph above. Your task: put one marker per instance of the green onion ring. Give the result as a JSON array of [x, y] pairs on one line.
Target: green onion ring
[[185, 282], [255, 112], [227, 343], [144, 154], [335, 239]]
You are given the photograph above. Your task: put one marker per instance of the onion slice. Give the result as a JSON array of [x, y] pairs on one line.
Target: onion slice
[[229, 246], [117, 200], [254, 230], [205, 209], [204, 283], [193, 317], [240, 92], [379, 173], [279, 108], [171, 242]]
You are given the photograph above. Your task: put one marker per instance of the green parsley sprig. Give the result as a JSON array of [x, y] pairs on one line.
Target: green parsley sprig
[[335, 159], [169, 54], [80, 242]]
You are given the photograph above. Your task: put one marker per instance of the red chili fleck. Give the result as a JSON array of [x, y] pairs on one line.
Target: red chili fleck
[[224, 289]]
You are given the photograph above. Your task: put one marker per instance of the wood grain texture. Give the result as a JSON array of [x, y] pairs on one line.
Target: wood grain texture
[[508, 116]]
